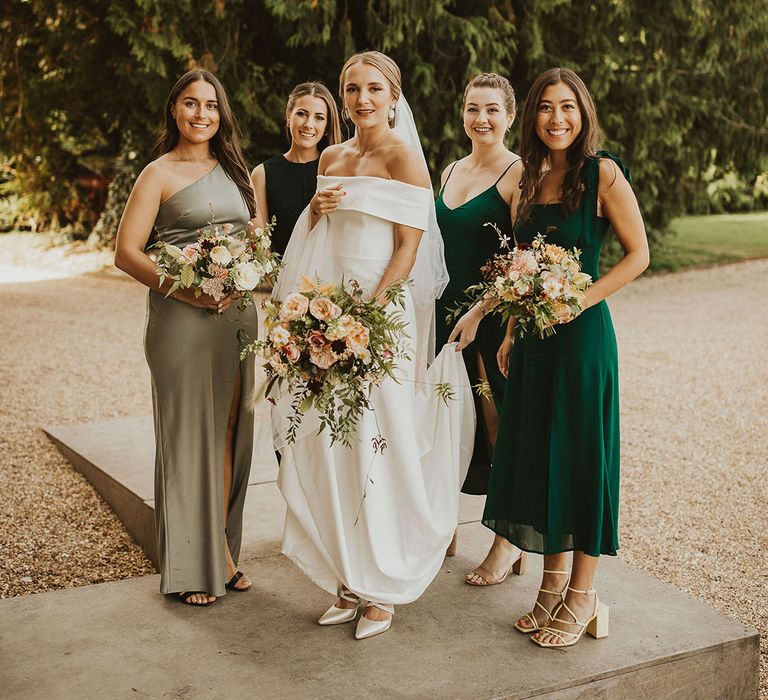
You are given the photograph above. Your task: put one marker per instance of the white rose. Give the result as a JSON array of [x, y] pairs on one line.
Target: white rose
[[235, 246], [220, 255], [245, 276]]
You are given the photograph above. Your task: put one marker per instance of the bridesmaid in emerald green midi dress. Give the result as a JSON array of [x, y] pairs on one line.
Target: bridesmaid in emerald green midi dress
[[476, 191], [554, 485], [203, 427]]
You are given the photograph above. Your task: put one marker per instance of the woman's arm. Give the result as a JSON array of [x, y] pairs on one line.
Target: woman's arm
[[133, 233], [405, 165], [619, 204], [466, 327], [259, 184]]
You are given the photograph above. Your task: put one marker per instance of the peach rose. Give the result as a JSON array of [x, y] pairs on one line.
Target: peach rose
[[316, 341], [294, 306], [323, 309], [358, 338], [291, 353], [340, 328], [323, 359]]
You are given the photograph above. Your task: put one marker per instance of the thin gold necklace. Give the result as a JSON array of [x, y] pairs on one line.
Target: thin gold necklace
[[197, 161]]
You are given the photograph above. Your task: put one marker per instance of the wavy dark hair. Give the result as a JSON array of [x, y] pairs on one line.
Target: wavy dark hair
[[315, 88], [225, 143], [534, 152]]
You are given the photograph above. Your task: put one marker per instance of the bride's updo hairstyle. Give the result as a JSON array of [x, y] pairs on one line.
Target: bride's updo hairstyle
[[378, 60]]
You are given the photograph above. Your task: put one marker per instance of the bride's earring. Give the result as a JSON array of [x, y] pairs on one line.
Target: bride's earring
[[392, 113]]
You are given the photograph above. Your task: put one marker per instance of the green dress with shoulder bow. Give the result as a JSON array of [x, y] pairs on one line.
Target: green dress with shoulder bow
[[194, 357], [554, 482]]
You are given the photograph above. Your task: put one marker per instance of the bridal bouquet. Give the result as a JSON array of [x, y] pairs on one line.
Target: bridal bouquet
[[220, 262], [534, 282], [328, 348]]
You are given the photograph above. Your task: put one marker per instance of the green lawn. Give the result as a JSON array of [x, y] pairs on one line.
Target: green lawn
[[708, 240]]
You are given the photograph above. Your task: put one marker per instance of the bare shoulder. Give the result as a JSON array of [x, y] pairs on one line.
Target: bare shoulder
[[406, 164], [330, 155], [156, 174], [449, 169], [258, 174], [610, 174]]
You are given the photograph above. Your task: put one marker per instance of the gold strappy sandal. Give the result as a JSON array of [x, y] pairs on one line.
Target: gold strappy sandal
[[517, 567], [531, 616], [597, 625]]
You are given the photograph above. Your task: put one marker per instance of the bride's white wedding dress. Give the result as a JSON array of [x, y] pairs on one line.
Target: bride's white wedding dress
[[376, 523]]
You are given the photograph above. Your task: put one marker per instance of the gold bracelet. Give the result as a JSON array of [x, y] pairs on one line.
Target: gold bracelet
[[482, 310]]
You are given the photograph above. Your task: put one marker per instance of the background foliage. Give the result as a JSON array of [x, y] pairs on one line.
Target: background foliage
[[680, 86]]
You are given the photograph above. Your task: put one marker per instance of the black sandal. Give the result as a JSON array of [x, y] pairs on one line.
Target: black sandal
[[184, 595], [230, 585]]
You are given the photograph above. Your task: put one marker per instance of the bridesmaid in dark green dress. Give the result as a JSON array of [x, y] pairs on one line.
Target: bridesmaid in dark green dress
[[203, 428], [554, 485], [476, 190], [285, 183]]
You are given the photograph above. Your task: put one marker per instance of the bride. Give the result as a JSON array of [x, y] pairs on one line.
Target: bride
[[365, 523]]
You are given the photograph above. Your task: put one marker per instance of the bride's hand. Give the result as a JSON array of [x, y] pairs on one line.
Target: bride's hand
[[325, 201], [466, 328]]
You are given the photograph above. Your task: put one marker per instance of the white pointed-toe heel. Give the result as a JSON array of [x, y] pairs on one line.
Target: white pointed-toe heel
[[370, 628], [338, 616]]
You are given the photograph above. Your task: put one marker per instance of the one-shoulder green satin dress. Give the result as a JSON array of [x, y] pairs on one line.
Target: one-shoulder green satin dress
[[554, 483], [194, 357]]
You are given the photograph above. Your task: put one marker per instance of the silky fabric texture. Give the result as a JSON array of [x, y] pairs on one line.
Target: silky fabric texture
[[289, 187], [469, 243], [377, 523], [193, 357], [554, 482]]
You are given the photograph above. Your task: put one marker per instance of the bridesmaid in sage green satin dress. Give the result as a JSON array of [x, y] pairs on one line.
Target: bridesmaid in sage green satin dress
[[476, 190], [203, 428]]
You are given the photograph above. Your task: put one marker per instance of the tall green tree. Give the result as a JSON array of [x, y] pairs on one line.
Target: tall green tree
[[680, 85]]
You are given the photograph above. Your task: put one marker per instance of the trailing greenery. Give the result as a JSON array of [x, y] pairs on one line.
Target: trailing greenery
[[680, 85]]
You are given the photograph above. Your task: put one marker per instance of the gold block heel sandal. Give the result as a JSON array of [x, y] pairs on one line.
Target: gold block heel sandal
[[597, 625]]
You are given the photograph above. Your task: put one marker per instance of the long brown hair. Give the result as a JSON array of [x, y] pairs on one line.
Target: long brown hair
[[225, 143], [534, 152], [315, 88]]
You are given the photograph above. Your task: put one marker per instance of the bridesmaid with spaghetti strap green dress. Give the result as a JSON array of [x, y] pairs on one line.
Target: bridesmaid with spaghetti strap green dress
[[554, 485], [285, 183], [203, 428], [476, 190]]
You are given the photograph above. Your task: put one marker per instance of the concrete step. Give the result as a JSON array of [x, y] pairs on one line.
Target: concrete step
[[125, 640], [117, 456]]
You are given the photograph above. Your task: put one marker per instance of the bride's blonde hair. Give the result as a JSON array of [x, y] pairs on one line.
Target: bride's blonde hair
[[384, 63]]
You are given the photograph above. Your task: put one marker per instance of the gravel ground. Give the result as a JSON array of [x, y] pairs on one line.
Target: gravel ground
[[694, 428]]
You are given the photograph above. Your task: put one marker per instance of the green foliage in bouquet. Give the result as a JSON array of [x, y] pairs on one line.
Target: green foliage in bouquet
[[326, 348], [220, 262]]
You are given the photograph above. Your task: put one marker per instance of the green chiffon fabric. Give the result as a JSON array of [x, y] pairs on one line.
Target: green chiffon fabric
[[469, 243], [554, 482], [193, 357]]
